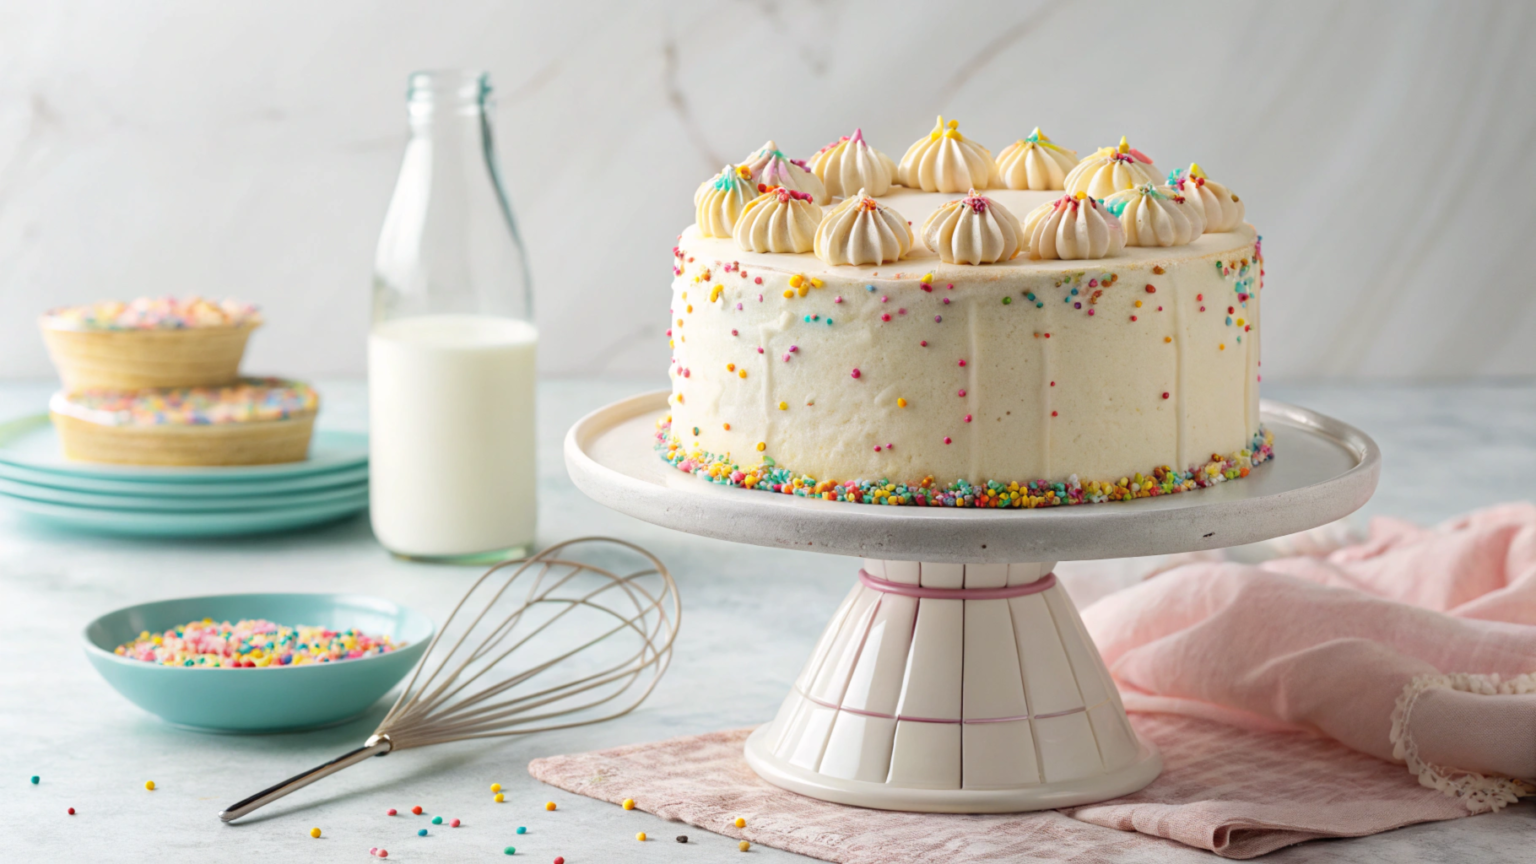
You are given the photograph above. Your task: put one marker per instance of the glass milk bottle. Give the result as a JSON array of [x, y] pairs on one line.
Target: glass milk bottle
[[451, 351]]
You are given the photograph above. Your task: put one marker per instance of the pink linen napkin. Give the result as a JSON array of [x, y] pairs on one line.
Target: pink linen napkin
[[1285, 697], [1345, 645]]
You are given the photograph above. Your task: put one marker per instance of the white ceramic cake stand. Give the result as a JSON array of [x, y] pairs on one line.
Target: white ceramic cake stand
[[957, 676]]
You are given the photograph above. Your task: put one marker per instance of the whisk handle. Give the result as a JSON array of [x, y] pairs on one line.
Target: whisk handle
[[299, 781]]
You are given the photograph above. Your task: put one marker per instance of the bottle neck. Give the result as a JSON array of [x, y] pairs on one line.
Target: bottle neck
[[450, 119], [449, 243], [451, 102]]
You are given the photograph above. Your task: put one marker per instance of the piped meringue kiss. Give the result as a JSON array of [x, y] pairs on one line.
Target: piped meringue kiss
[[1112, 169], [1035, 163], [1155, 215], [1222, 210], [861, 230], [779, 220], [770, 167], [1073, 226], [760, 157], [721, 199], [946, 161], [848, 165], [973, 230]]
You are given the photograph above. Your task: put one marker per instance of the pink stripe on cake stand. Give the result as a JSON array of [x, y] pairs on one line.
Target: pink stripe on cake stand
[[875, 583]]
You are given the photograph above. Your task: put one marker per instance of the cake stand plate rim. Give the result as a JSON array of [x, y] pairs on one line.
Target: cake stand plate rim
[[1324, 470], [1136, 775]]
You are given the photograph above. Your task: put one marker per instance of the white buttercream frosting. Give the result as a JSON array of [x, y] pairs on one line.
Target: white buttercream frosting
[[861, 230], [779, 220], [1112, 169], [1223, 211], [720, 200], [1035, 163], [946, 161], [849, 164], [973, 230], [1155, 215], [770, 167], [854, 358], [1073, 227]]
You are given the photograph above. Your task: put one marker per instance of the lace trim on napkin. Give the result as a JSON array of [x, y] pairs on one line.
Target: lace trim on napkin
[[1480, 793]]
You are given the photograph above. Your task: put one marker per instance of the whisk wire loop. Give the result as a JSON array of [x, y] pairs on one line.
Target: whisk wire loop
[[439, 696]]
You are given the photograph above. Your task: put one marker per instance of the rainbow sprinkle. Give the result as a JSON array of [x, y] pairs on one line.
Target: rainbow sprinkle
[[770, 477], [147, 313], [252, 400], [252, 645]]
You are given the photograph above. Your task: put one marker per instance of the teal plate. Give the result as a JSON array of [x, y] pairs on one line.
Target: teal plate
[[31, 442], [73, 483], [204, 504], [131, 523], [271, 699]]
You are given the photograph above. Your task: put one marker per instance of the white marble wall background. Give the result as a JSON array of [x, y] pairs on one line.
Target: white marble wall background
[[248, 148]]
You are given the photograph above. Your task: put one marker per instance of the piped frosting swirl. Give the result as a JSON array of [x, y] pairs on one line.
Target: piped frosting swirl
[[849, 164], [1035, 163], [1112, 169], [779, 220], [719, 202], [1222, 210], [1155, 215], [973, 230], [770, 167], [1073, 226], [946, 161], [861, 230]]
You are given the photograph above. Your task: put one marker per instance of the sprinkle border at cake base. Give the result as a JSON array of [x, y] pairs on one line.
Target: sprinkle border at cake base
[[991, 494]]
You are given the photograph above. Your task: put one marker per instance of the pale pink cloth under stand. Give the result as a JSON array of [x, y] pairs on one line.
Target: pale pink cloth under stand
[[1252, 680]]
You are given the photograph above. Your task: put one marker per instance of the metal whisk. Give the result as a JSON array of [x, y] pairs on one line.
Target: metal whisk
[[543, 650]]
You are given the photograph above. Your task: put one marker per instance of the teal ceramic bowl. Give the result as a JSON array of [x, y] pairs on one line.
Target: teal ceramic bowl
[[269, 699]]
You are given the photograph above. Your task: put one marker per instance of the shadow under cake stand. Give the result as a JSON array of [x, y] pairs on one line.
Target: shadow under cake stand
[[957, 676]]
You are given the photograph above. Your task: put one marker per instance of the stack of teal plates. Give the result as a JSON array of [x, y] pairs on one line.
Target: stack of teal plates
[[149, 501]]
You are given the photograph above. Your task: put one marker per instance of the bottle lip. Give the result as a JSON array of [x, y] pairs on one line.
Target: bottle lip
[[464, 86]]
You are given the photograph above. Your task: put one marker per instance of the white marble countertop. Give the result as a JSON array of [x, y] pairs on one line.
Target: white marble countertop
[[751, 617]]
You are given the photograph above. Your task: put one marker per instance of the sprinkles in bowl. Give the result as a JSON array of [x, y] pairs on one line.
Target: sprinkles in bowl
[[252, 644]]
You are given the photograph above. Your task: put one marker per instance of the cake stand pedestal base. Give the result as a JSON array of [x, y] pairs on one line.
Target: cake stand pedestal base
[[954, 688]]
